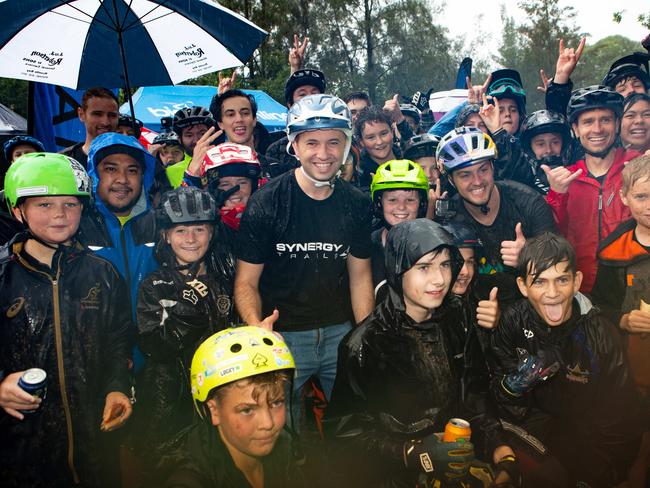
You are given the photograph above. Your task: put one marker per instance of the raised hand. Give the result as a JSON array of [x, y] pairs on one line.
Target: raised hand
[[636, 322], [202, 146], [391, 107], [297, 53], [545, 80], [434, 195], [475, 92], [226, 82], [510, 249], [490, 113], [487, 312], [560, 178], [567, 60]]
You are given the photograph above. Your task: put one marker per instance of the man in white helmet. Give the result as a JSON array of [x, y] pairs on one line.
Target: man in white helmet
[[304, 241]]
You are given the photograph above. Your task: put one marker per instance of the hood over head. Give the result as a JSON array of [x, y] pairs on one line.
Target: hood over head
[[408, 241], [114, 143]]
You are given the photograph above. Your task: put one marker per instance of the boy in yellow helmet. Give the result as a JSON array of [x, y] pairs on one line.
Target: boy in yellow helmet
[[239, 378]]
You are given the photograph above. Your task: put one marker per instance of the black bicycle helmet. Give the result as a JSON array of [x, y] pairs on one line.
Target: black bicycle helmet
[[410, 110], [186, 205], [125, 120], [465, 112], [543, 122], [635, 64], [300, 78], [593, 97], [169, 138], [191, 116], [421, 146]]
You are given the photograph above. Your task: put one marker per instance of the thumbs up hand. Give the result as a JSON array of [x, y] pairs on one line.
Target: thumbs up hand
[[391, 107], [268, 322], [510, 249], [487, 312]]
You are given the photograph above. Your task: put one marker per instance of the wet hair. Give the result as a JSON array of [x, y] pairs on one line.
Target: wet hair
[[97, 92], [273, 382], [357, 95], [633, 98], [369, 115], [543, 252], [217, 102], [635, 170]]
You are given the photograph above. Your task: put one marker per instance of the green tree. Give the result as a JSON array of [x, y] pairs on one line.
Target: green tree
[[533, 45], [597, 59], [14, 94]]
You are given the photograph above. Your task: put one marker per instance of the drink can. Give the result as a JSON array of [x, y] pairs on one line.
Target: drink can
[[457, 430], [34, 382]]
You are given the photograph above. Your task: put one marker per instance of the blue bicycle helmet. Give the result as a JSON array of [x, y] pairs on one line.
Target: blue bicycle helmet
[[14, 142]]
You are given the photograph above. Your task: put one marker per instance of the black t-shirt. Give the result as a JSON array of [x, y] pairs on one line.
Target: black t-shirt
[[77, 152], [378, 265], [304, 244], [518, 203]]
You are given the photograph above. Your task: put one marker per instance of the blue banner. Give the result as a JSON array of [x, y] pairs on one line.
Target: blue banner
[[54, 116]]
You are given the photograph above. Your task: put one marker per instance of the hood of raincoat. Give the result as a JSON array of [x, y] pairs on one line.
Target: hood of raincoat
[[113, 139], [408, 241]]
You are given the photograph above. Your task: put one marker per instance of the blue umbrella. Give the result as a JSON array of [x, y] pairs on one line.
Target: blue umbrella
[[121, 43]]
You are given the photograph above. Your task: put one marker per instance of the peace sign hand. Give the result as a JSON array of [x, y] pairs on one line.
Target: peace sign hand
[[490, 113], [297, 53]]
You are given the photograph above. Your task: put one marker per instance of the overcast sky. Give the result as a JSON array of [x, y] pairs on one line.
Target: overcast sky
[[594, 17]]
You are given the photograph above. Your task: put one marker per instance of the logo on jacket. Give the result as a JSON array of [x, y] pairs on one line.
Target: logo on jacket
[[15, 307], [223, 304], [200, 287], [426, 463], [528, 334], [91, 300], [577, 375], [190, 296]]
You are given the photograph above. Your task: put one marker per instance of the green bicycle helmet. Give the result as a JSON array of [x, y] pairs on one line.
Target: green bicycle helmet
[[45, 174], [399, 174]]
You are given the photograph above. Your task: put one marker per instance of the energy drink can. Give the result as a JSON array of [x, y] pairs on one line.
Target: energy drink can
[[34, 382], [457, 430]]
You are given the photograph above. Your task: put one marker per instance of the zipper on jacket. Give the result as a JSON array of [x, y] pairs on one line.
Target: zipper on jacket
[[58, 341], [125, 256], [58, 337], [600, 212]]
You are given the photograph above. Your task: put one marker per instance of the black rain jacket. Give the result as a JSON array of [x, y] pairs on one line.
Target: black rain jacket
[[70, 321], [399, 380], [175, 314]]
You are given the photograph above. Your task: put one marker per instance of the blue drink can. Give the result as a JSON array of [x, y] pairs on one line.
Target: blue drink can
[[34, 382]]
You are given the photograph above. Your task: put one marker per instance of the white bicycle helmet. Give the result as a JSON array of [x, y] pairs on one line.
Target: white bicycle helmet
[[464, 146]]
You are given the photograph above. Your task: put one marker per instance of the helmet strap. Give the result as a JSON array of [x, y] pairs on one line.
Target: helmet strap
[[319, 183], [34, 236], [600, 154], [192, 268]]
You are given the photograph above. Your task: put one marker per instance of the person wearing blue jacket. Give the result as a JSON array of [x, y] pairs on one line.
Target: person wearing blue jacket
[[121, 225]]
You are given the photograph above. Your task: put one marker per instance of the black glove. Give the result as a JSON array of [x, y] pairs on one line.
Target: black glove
[[509, 466], [530, 371], [220, 196], [442, 460]]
